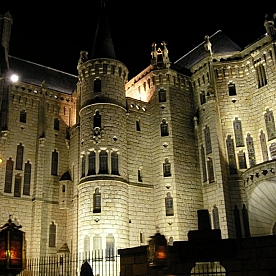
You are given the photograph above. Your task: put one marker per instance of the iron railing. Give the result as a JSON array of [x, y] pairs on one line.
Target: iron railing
[[70, 264]]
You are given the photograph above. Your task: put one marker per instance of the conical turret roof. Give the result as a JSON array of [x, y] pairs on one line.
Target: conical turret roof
[[103, 46]]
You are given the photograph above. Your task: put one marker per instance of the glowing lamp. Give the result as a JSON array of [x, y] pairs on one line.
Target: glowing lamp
[[12, 249], [157, 251]]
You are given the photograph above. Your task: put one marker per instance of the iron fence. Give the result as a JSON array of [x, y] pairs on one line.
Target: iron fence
[[70, 264]]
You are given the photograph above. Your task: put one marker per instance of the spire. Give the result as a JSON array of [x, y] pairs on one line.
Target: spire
[[103, 46]]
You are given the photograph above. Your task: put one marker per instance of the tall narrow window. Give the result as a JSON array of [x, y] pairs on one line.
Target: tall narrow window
[[8, 176], [97, 247], [202, 97], [97, 68], [114, 163], [27, 178], [169, 205], [216, 217], [237, 222], [103, 162], [203, 163], [110, 247], [263, 146], [86, 244], [231, 155], [52, 235], [105, 68], [97, 85], [270, 124], [272, 149], [238, 133], [138, 128], [162, 95], [92, 163], [83, 164], [242, 160], [167, 168], [210, 168], [97, 201], [208, 143], [260, 73], [19, 157], [232, 89], [97, 120], [23, 116], [56, 124], [54, 166], [250, 150], [140, 178], [164, 128], [17, 185]]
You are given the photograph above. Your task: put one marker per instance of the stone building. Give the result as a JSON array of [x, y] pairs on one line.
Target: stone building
[[98, 161]]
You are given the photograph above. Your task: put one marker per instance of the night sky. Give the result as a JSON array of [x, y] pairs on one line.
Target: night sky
[[53, 35]]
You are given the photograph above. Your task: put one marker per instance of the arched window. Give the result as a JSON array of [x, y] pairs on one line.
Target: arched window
[[97, 85], [56, 124], [17, 185], [27, 178], [103, 162], [270, 124], [164, 128], [86, 244], [8, 176], [208, 143], [232, 89], [250, 150], [83, 164], [216, 217], [23, 116], [92, 163], [263, 146], [52, 235], [169, 205], [110, 247], [19, 157], [114, 163], [97, 201], [238, 133], [203, 163], [97, 120], [54, 167], [210, 170], [231, 155], [167, 168], [97, 246]]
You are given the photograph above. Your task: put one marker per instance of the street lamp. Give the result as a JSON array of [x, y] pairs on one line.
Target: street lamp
[[157, 251], [12, 249]]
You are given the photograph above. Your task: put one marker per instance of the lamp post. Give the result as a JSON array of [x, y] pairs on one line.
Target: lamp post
[[157, 251], [12, 249]]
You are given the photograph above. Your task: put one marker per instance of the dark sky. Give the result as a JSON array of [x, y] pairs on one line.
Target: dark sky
[[53, 35]]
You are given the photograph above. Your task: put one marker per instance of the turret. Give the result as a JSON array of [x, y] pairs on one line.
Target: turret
[[269, 26]]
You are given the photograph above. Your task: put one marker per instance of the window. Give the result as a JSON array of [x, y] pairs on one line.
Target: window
[[231, 155], [91, 163], [210, 169], [120, 71], [169, 205], [27, 178], [97, 246], [202, 97], [263, 146], [207, 140], [110, 247], [167, 168], [232, 89], [162, 95], [52, 235], [203, 163], [17, 185], [238, 133], [56, 124], [216, 217], [113, 67], [114, 163], [105, 68], [97, 68], [138, 128], [242, 160], [103, 162], [272, 150], [23, 116], [164, 128], [8, 176], [97, 85], [208, 268], [270, 124], [19, 157], [97, 120], [97, 201], [250, 150], [260, 73], [86, 244], [140, 178], [83, 165], [54, 167]]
